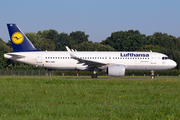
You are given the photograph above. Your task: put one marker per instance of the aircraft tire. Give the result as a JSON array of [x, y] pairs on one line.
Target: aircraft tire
[[94, 75], [152, 76]]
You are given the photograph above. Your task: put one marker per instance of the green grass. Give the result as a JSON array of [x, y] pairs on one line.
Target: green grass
[[65, 98]]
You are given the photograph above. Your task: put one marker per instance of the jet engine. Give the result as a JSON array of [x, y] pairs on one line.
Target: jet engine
[[116, 70]]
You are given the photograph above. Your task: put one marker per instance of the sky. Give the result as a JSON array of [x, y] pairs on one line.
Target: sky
[[97, 18]]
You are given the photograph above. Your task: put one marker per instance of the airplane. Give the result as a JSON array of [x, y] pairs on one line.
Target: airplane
[[113, 63]]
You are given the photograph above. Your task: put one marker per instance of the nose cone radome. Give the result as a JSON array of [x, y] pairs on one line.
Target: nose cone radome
[[173, 64]]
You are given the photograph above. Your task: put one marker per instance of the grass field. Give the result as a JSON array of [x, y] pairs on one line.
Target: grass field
[[106, 98]]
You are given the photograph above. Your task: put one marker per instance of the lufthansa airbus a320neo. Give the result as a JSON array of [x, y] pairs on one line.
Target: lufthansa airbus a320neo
[[113, 63]]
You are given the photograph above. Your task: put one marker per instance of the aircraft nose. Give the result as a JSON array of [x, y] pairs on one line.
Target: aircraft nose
[[174, 64]]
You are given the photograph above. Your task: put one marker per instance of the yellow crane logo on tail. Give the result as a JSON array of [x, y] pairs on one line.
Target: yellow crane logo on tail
[[17, 38]]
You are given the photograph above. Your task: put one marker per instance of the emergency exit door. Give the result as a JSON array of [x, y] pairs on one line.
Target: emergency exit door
[[153, 59], [39, 58]]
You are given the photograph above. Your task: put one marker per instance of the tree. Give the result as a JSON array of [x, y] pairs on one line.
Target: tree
[[35, 39], [41, 41], [4, 49], [62, 41], [50, 34], [9, 44], [90, 46], [177, 42], [163, 40], [154, 48], [47, 44], [74, 38], [126, 40], [78, 37]]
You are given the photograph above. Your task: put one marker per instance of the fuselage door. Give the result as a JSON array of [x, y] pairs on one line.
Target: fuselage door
[[39, 58], [153, 58]]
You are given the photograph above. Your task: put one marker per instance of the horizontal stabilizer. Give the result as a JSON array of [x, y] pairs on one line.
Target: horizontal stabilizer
[[7, 55]]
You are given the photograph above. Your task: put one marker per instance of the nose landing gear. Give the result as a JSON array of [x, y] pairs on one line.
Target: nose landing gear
[[152, 74]]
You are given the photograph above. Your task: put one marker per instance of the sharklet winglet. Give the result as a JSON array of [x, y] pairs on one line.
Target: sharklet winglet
[[70, 52]]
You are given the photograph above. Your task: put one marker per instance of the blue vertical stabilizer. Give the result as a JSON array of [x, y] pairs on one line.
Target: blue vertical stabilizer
[[20, 42]]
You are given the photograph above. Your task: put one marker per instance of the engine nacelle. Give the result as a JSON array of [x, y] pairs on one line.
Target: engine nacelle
[[116, 70]]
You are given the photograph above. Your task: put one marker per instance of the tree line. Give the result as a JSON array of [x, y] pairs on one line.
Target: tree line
[[131, 40]]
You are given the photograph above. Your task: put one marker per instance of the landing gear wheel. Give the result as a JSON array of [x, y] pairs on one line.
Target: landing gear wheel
[[94, 75], [152, 76]]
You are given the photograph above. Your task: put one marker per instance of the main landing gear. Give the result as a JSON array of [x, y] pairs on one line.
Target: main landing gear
[[152, 74], [95, 71], [94, 75]]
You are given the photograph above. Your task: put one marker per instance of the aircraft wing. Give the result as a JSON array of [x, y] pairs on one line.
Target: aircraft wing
[[90, 63]]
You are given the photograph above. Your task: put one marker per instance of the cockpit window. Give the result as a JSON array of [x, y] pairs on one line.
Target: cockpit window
[[165, 58]]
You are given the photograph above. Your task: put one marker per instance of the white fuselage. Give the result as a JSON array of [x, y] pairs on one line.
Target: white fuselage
[[61, 59]]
